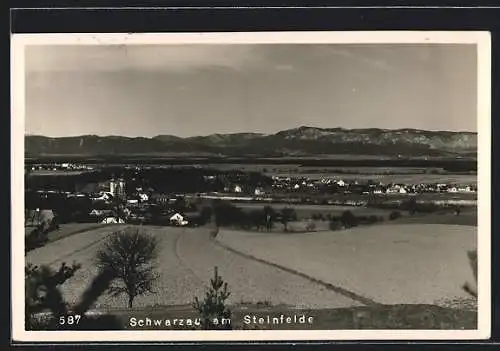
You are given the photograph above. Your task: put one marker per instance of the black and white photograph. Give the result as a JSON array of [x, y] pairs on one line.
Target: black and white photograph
[[251, 186]]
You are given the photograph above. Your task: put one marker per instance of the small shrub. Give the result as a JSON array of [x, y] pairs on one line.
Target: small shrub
[[214, 313], [348, 219], [334, 224], [287, 215], [311, 226], [38, 237], [394, 215]]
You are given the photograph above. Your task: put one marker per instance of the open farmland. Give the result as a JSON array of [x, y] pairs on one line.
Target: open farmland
[[58, 172], [390, 264], [185, 264], [66, 230]]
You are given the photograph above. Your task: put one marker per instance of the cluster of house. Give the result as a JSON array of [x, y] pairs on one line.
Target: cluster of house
[[136, 207], [306, 184], [137, 215], [59, 167], [104, 207]]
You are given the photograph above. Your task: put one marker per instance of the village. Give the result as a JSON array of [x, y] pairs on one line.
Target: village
[[132, 200]]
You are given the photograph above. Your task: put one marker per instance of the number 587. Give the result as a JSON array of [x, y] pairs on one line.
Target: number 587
[[69, 320]]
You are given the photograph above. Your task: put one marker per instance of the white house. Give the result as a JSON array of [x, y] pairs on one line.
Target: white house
[[340, 182], [237, 189], [178, 219], [143, 197]]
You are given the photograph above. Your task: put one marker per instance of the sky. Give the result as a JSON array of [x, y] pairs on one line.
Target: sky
[[201, 89]]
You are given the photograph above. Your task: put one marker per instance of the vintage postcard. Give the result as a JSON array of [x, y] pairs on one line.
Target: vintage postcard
[[251, 186]]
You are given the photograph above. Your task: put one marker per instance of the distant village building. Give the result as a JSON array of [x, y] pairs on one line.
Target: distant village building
[[340, 182], [259, 191], [103, 196], [112, 220], [465, 189], [160, 198], [101, 212], [238, 189], [143, 197], [117, 187], [178, 220]]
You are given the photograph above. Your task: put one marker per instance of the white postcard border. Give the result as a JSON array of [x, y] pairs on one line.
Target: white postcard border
[[481, 39]]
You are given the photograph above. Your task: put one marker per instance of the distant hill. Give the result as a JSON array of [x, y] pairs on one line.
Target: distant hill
[[302, 141]]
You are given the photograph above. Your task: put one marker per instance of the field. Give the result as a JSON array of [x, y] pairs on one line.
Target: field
[[66, 230], [427, 263], [407, 263], [386, 175], [186, 262], [58, 172]]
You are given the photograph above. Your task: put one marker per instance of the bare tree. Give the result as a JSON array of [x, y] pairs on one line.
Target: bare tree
[[269, 217], [129, 254]]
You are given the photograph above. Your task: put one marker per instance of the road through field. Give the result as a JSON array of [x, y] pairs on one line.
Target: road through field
[[186, 262]]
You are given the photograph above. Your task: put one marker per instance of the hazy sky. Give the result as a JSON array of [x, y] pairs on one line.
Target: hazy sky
[[188, 90]]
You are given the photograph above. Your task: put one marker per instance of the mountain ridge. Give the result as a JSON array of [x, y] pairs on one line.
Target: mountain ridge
[[302, 140]]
